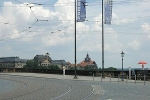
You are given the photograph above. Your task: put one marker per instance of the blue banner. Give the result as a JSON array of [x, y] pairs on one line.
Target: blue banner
[[81, 10], [108, 12]]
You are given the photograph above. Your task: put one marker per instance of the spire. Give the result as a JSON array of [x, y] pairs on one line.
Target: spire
[[87, 59], [87, 55]]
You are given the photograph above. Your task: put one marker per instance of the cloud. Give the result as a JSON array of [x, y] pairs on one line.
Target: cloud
[[66, 10], [146, 28], [119, 21], [135, 45], [89, 46], [56, 39], [82, 27], [97, 23], [93, 41], [113, 47], [7, 47], [20, 20], [65, 16], [57, 31]]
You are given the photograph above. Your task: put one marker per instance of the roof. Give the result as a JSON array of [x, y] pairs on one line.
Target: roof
[[41, 58], [87, 61], [84, 63], [60, 62], [45, 61], [12, 59]]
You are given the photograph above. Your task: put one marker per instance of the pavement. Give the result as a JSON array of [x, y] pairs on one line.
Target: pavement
[[71, 77], [35, 86]]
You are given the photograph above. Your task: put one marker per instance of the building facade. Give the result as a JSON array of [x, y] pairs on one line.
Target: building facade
[[87, 63], [60, 63], [12, 62], [45, 60]]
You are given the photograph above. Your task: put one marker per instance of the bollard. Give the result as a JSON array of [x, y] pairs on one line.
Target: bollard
[[118, 78], [93, 76], [127, 79], [135, 79], [144, 79], [101, 77], [110, 77]]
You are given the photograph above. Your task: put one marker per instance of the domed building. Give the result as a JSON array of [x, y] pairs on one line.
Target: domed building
[[88, 63]]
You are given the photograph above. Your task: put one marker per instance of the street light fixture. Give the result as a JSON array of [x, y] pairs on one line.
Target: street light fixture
[[122, 55]]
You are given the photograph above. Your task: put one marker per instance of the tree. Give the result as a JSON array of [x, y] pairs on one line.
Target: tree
[[100, 69], [55, 67], [90, 68], [72, 68], [87, 68], [36, 64], [31, 64], [42, 67], [111, 69]]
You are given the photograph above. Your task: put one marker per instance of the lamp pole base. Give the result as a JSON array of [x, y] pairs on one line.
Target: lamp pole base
[[75, 77], [103, 76]]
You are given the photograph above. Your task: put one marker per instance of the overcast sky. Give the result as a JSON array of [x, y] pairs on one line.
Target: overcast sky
[[23, 36]]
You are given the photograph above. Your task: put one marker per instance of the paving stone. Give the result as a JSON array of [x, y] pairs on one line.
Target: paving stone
[[32, 86]]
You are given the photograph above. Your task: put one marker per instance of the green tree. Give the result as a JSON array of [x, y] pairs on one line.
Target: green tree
[[100, 69], [31, 64], [42, 67], [72, 68], [36, 64], [55, 67], [90, 68], [87, 68], [111, 69]]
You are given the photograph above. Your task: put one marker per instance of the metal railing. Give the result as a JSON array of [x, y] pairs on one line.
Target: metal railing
[[134, 79]]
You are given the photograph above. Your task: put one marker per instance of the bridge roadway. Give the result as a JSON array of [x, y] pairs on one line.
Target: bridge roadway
[[31, 86]]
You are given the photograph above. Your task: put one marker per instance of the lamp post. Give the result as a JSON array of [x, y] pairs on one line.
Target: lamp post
[[122, 55], [75, 73]]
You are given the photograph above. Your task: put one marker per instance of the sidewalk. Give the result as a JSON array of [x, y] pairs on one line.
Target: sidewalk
[[68, 77]]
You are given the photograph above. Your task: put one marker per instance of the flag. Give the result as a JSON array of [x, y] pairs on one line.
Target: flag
[[81, 10], [107, 12]]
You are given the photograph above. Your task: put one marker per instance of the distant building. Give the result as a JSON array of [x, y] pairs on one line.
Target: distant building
[[71, 66], [45, 60], [60, 63], [86, 63], [12, 62], [41, 58], [45, 63]]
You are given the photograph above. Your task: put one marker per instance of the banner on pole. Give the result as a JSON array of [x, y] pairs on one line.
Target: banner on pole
[[81, 10], [108, 12]]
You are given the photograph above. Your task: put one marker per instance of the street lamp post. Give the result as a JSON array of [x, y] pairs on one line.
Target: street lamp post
[[122, 55]]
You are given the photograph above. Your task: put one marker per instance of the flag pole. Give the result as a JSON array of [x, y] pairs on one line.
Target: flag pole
[[102, 39], [75, 77]]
